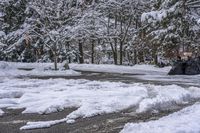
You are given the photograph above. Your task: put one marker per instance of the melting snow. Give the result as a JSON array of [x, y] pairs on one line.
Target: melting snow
[[184, 121], [89, 97]]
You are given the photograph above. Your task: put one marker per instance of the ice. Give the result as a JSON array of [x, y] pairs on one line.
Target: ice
[[185, 121]]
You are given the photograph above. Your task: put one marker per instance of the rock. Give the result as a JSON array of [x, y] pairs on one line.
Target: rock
[[189, 67], [66, 66], [177, 69]]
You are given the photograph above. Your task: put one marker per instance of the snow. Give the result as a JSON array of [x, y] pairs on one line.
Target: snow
[[1, 112], [2, 34], [142, 72], [33, 125], [165, 97], [185, 121], [95, 98], [2, 45], [136, 69], [172, 79], [198, 21], [89, 97], [155, 16], [39, 69]]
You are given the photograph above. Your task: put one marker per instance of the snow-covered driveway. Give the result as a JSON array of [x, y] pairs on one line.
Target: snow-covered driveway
[[89, 97], [92, 98]]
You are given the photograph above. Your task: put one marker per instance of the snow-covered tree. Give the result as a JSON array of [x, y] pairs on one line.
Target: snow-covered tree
[[171, 26], [128, 30]]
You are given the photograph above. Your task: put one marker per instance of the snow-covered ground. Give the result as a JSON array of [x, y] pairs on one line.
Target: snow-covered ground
[[92, 98], [143, 72], [185, 121], [89, 97], [10, 69], [136, 69]]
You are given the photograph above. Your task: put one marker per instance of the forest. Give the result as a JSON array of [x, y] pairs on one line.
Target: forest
[[121, 32], [99, 66]]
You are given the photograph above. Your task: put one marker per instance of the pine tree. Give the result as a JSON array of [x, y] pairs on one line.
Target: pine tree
[[170, 27]]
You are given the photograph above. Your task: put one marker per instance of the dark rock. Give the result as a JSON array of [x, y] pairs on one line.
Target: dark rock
[[189, 67], [177, 69], [66, 66]]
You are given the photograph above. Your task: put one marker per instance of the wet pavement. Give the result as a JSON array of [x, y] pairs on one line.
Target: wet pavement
[[108, 123]]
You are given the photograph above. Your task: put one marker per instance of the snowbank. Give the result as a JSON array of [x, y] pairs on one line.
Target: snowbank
[[136, 69], [165, 97], [184, 121], [35, 69]]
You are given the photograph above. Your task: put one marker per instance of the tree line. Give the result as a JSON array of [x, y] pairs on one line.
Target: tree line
[[98, 31]]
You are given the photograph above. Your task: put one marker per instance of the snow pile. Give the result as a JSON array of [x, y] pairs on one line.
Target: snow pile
[[89, 97], [198, 21], [34, 125], [184, 121], [1, 112], [36, 69], [136, 69], [165, 97]]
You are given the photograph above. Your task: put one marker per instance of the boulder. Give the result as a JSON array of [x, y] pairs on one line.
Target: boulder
[[188, 67], [66, 66]]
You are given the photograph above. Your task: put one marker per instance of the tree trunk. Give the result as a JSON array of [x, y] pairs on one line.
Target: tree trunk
[[156, 59], [69, 59], [115, 57], [81, 59], [135, 56], [121, 41], [155, 56], [55, 62], [115, 52], [92, 54], [121, 53]]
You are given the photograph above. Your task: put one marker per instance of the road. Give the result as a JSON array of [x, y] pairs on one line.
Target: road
[[108, 123]]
